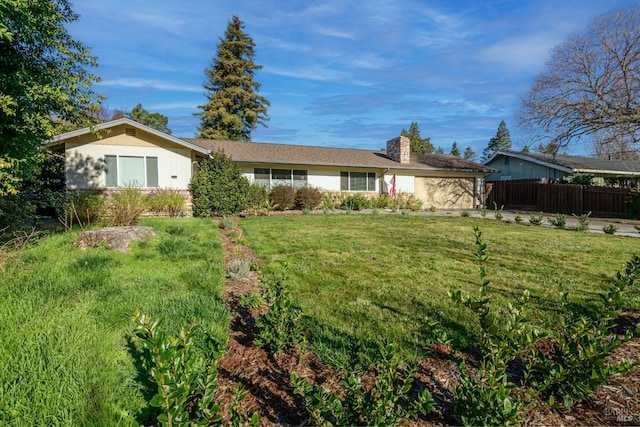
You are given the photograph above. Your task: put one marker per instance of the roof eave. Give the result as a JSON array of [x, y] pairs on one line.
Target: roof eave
[[123, 121]]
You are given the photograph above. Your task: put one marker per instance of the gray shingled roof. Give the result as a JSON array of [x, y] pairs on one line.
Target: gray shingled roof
[[579, 163], [259, 152]]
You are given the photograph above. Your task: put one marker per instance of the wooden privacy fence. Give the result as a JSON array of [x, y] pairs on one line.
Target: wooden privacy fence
[[557, 198]]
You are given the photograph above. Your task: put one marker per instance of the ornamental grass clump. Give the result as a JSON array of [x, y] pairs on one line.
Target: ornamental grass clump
[[167, 202], [127, 206]]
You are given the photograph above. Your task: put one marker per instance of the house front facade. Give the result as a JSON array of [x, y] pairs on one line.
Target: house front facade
[[124, 153]]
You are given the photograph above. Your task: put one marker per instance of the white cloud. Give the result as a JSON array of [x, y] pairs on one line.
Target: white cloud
[[154, 84]]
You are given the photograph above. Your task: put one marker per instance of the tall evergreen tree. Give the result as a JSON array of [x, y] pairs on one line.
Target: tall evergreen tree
[[418, 144], [234, 109], [455, 151], [439, 150], [500, 142], [469, 154]]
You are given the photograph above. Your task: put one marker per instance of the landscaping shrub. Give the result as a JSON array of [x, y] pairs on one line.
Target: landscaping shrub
[[126, 206], [308, 198], [536, 219], [408, 201], [83, 208], [583, 221], [610, 229], [219, 188], [17, 213], [280, 327], [558, 221], [633, 204], [355, 202], [578, 362], [186, 380], [386, 402], [282, 197], [488, 398], [166, 202]]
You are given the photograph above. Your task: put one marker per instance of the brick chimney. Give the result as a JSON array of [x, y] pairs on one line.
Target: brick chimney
[[399, 149]]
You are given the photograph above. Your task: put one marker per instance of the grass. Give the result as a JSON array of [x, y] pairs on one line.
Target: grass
[[66, 356], [364, 279]]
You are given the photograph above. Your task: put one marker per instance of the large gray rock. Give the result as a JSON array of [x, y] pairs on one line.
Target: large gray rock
[[116, 238]]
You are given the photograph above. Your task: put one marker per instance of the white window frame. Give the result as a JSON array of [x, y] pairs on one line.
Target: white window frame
[[367, 177], [291, 180], [145, 171]]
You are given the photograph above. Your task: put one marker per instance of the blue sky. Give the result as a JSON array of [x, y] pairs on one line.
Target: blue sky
[[340, 73]]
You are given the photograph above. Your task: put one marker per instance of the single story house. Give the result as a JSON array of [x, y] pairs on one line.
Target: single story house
[[516, 165], [123, 152]]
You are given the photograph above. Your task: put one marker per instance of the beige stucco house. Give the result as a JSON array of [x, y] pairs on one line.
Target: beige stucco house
[[125, 153]]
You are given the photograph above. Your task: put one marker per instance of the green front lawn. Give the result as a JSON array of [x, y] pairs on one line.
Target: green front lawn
[[364, 279], [66, 321]]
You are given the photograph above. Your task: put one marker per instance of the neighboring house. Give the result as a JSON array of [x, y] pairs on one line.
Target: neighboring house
[[124, 153], [514, 165]]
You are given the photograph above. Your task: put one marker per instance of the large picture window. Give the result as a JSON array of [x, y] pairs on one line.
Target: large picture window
[[270, 178], [357, 181], [131, 171]]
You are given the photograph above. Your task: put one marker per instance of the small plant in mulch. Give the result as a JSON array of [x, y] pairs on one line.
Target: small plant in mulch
[[610, 229], [281, 326], [388, 401], [238, 269]]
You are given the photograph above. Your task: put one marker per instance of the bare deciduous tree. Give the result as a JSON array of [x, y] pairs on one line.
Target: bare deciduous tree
[[591, 85]]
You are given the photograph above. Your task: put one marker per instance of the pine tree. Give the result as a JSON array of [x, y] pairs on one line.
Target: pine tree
[[418, 144], [455, 151], [439, 150], [500, 142], [234, 108], [469, 154]]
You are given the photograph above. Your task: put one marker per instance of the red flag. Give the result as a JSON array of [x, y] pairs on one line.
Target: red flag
[[392, 186]]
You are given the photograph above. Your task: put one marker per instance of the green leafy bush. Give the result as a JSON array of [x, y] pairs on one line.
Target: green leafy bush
[[186, 380], [280, 327], [518, 219], [82, 208], [633, 204], [488, 398], [386, 402], [283, 197], [166, 202], [578, 362], [355, 202], [610, 229], [308, 198], [219, 188], [536, 219], [126, 206], [558, 221]]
